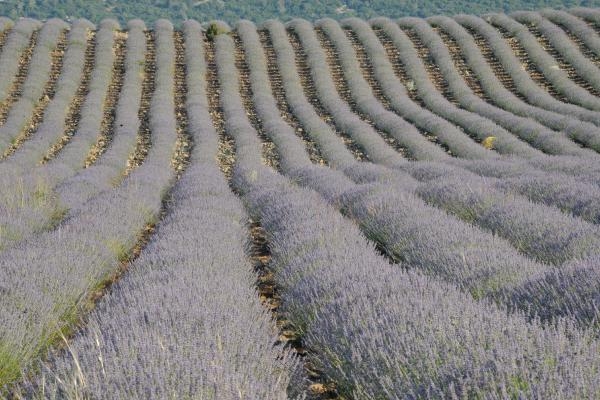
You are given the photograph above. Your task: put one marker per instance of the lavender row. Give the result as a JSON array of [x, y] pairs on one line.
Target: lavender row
[[575, 27], [221, 348], [53, 123], [477, 126], [580, 202], [374, 146], [415, 234], [545, 63], [43, 197], [109, 168], [324, 285], [17, 41], [43, 295], [33, 88], [396, 93], [525, 128], [504, 98], [362, 95], [523, 82], [563, 45]]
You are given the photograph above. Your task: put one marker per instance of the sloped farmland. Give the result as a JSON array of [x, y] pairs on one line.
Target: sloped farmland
[[383, 209]]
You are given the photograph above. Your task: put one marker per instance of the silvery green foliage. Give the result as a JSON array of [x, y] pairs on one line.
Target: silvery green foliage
[[362, 95], [16, 42], [447, 133], [476, 126], [41, 293], [524, 84], [504, 98], [563, 45], [189, 311], [524, 127], [545, 63], [375, 148], [33, 86]]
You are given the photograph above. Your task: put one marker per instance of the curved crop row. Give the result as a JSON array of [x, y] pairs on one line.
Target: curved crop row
[[42, 197], [410, 231], [325, 277], [53, 122], [580, 69], [477, 126], [42, 299], [453, 138], [33, 88], [373, 144], [523, 82], [545, 63], [220, 349], [18, 40], [504, 98], [524, 127]]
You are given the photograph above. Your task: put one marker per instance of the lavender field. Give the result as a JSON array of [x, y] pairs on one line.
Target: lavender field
[[382, 209]]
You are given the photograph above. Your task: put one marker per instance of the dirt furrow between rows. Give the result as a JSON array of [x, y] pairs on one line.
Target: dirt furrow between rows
[[528, 65], [144, 141], [279, 95], [312, 96], [47, 95], [112, 98], [74, 113], [15, 90]]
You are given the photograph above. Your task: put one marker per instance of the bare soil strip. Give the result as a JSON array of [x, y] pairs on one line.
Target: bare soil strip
[[394, 57], [560, 60], [269, 152], [495, 64], [278, 91], [183, 146], [15, 90], [74, 114], [311, 94], [112, 97], [528, 65], [144, 140], [461, 65], [49, 90]]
